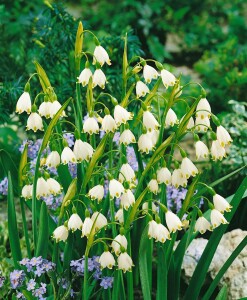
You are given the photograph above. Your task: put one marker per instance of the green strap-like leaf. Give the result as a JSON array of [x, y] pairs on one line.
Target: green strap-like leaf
[[42, 244], [223, 293]]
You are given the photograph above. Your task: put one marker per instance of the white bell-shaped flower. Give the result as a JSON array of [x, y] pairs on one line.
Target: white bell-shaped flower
[[91, 126], [149, 121], [61, 233], [45, 109], [34, 122], [164, 176], [217, 151], [121, 115], [145, 143], [171, 118], [24, 103], [27, 191], [125, 262], [127, 137], [115, 188], [202, 225], [99, 78], [101, 56], [106, 260], [223, 136], [188, 168], [53, 159], [99, 220], [42, 188], [149, 73], [152, 228], [221, 204], [217, 218], [97, 192], [145, 207], [178, 178], [201, 150], [75, 222], [119, 216], [153, 186], [53, 186], [162, 234], [87, 227], [190, 123], [127, 199], [119, 240], [168, 78], [109, 124], [173, 222], [83, 150], [154, 136], [141, 89], [126, 174], [203, 109], [202, 125], [54, 108], [67, 156], [84, 77]]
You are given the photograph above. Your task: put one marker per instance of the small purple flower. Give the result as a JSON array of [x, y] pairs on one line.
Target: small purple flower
[[131, 157], [116, 137], [31, 285], [69, 137], [4, 186], [35, 261], [16, 278], [19, 295], [72, 169], [106, 282]]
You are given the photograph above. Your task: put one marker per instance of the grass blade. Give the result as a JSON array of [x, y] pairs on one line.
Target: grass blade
[[43, 239]]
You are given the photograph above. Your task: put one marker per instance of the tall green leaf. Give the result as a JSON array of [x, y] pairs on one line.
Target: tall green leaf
[[43, 238]]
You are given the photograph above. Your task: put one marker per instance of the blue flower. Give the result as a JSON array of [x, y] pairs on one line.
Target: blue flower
[[16, 278], [106, 282]]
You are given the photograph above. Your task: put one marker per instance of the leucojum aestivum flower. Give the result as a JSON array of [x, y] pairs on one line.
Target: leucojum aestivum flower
[[109, 183]]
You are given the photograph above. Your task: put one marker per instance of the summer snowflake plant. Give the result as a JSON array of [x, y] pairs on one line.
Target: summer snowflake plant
[[103, 183]]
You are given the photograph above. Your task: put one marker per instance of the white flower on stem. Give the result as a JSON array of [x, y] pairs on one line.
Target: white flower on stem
[[221, 204], [106, 260], [54, 108], [127, 137], [75, 222], [126, 173], [168, 78], [99, 78], [217, 151], [101, 56], [171, 118], [109, 124], [125, 262], [87, 227], [119, 240], [217, 218], [127, 199], [27, 191], [190, 123], [85, 76], [119, 216], [99, 220], [202, 125], [162, 234], [91, 126], [61, 233], [202, 225], [42, 188], [149, 73], [203, 109], [45, 109], [178, 178], [53, 186], [121, 115], [188, 168], [24, 103], [223, 136], [97, 192], [173, 222], [153, 186], [201, 150], [34, 122], [145, 143], [83, 150], [152, 229], [141, 89], [115, 188], [164, 176], [153, 135], [53, 159], [67, 156], [149, 121], [145, 206]]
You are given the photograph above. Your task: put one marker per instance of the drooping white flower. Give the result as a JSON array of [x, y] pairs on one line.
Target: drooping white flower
[[168, 78], [223, 136], [34, 122], [53, 186], [190, 123], [53, 159], [217, 218], [85, 76], [126, 174], [99, 219], [115, 188], [188, 168], [221, 204], [173, 222], [75, 222], [119, 216], [125, 262], [153, 186], [203, 109], [45, 109], [217, 151], [109, 124], [97, 192], [127, 137], [164, 176], [61, 233], [178, 178], [121, 115], [141, 89], [152, 228], [202, 125], [87, 227], [67, 156], [154, 136], [201, 150], [127, 199], [24, 103], [145, 206], [106, 260], [162, 234], [54, 108], [99, 78], [202, 225], [27, 191], [149, 73], [83, 150], [149, 121], [145, 143], [119, 240], [42, 188], [171, 118], [101, 55], [91, 126]]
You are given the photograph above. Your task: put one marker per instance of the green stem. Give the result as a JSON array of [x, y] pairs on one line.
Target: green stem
[[130, 274], [85, 283]]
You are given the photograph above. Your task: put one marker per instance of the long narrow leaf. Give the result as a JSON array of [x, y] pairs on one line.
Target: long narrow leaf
[[42, 244], [223, 293]]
